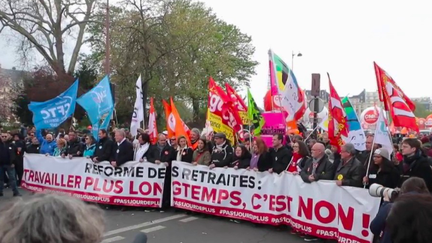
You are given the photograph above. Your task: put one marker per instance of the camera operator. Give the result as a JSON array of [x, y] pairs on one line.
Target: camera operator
[[413, 185]]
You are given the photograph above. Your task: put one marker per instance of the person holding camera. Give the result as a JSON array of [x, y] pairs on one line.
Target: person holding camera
[[378, 226], [415, 162], [384, 172]]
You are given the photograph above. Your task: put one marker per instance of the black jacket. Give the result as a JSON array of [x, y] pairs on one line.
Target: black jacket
[[33, 149], [241, 162], [323, 171], [104, 148], [122, 153], [280, 159], [164, 154], [222, 157], [7, 153], [151, 154], [75, 148], [417, 166], [265, 162], [388, 176], [187, 155], [351, 173]]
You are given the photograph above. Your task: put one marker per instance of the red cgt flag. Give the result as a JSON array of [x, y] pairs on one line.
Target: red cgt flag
[[337, 126]]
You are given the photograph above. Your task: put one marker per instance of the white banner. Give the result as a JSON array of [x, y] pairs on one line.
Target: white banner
[[321, 209], [132, 184]]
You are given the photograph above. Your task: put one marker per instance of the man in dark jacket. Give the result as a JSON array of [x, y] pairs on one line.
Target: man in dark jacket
[[415, 163], [7, 164], [280, 155], [350, 171], [164, 154], [122, 150], [104, 147], [318, 167], [75, 148], [222, 152]]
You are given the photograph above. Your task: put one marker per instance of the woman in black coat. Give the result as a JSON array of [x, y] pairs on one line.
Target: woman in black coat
[[261, 160], [184, 153], [384, 173], [241, 158]]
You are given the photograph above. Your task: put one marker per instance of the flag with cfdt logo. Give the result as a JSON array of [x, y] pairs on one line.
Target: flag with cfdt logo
[[53, 112]]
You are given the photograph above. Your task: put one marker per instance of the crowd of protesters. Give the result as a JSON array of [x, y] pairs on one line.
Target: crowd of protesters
[[312, 160]]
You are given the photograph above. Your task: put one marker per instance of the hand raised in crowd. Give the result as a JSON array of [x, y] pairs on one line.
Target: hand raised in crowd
[[339, 183], [157, 162], [113, 163]]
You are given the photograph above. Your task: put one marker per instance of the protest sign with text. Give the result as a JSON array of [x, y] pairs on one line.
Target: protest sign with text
[[321, 209], [132, 184]]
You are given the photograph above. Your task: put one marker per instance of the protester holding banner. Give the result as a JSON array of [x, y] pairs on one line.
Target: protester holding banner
[[74, 148], [183, 153], [300, 155], [201, 155], [222, 152], [280, 155], [90, 146], [61, 149], [7, 164], [350, 171], [318, 167], [261, 160], [33, 147], [104, 147], [122, 150], [241, 158], [48, 144], [146, 151]]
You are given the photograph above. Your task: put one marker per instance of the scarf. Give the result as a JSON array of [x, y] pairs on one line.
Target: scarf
[[293, 165], [220, 147], [142, 150], [180, 153], [254, 161]]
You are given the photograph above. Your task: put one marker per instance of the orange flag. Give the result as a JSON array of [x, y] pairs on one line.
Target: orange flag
[[152, 123], [179, 127], [169, 119]]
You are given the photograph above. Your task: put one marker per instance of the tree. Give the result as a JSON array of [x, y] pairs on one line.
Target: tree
[[46, 25], [8, 93], [175, 46], [421, 110]]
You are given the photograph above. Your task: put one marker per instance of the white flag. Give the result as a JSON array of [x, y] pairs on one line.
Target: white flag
[[291, 96], [382, 135], [138, 113]]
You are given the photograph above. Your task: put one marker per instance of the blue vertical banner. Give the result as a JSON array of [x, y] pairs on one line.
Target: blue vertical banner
[[98, 103], [52, 113]]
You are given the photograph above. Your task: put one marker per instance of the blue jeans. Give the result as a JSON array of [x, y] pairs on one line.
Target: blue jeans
[[11, 175]]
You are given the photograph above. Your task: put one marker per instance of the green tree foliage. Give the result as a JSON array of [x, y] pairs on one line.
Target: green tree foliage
[[421, 110], [175, 46]]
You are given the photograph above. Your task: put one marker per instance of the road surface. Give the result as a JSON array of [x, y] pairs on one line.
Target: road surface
[[178, 227]]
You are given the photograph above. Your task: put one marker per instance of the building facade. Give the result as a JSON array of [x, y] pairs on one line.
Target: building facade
[[426, 102]]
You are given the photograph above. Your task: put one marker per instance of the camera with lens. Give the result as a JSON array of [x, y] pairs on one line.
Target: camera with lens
[[377, 190]]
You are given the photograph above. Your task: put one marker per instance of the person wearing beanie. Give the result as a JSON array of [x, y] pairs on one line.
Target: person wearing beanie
[[384, 173]]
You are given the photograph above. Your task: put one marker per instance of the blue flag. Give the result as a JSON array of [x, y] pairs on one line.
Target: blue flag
[[53, 112], [104, 125], [98, 101]]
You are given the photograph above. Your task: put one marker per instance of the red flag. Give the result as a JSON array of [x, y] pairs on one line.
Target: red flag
[[238, 104], [152, 127], [337, 126], [382, 79]]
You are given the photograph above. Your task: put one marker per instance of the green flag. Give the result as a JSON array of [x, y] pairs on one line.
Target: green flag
[[254, 115]]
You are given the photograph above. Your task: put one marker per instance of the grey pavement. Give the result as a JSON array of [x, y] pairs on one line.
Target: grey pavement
[[178, 227]]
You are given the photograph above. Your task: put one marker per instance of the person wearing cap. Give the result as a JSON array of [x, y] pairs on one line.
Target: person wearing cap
[[222, 152], [384, 173]]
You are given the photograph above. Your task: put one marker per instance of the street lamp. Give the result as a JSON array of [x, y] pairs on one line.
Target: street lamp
[[298, 54]]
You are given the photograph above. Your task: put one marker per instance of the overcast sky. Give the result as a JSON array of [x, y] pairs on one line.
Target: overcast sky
[[336, 36]]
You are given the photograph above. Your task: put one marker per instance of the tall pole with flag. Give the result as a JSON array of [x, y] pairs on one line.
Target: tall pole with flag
[[107, 40]]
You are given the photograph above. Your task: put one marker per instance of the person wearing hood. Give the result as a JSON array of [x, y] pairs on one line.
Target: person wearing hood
[[384, 173], [241, 159], [415, 162], [184, 153], [47, 144], [90, 146]]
